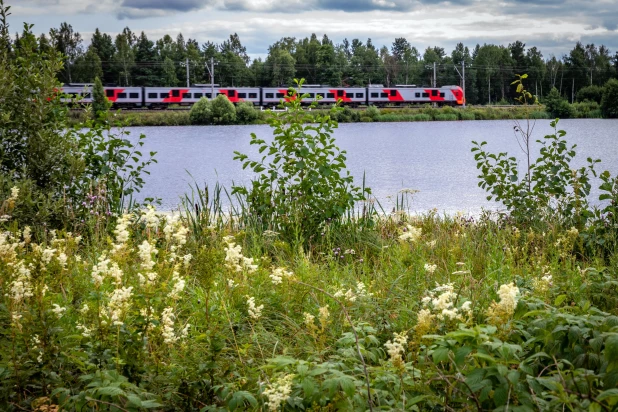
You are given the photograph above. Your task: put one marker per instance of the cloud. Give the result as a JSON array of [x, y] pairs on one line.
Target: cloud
[[136, 9]]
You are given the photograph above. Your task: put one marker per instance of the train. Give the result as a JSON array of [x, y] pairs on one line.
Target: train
[[162, 97]]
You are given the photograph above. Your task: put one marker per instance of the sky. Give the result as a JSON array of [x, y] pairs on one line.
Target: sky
[[552, 25]]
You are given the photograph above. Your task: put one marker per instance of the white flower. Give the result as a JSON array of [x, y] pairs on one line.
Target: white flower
[[179, 286], [84, 310], [278, 392], [27, 234], [255, 312], [187, 259], [234, 258], [167, 326], [14, 193], [47, 255], [432, 243], [278, 275], [122, 230], [118, 303], [150, 217], [396, 348], [146, 250], [100, 270], [429, 268], [62, 260], [309, 319], [411, 234], [21, 288], [509, 296], [231, 284], [324, 314], [86, 332], [58, 310]]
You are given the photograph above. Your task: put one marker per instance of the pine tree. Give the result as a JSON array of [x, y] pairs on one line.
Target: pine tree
[[100, 104]]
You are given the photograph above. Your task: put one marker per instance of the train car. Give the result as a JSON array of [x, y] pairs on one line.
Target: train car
[[445, 95], [77, 93], [187, 96], [125, 96], [353, 96]]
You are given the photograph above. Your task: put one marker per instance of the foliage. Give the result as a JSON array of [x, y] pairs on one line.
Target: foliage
[[246, 113], [609, 102], [373, 112], [302, 182], [223, 111], [590, 93], [201, 112], [100, 104], [557, 106]]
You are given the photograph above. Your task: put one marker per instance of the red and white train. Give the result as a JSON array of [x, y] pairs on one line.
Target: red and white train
[[161, 97]]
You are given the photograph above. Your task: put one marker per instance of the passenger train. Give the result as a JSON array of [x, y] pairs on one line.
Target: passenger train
[[161, 97]]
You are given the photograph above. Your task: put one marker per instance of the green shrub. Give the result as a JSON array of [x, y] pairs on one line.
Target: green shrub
[[590, 93], [246, 113], [366, 119], [100, 104], [466, 115], [446, 117], [201, 112], [557, 106], [421, 117], [585, 109], [302, 181], [538, 114], [373, 112], [609, 102], [223, 111]]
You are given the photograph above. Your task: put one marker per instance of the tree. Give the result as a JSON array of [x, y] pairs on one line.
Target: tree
[[201, 112], [88, 67], [280, 66], [105, 49], [557, 106], [125, 56], [100, 104], [146, 72], [169, 73], [590, 93], [223, 111], [69, 43], [609, 102]]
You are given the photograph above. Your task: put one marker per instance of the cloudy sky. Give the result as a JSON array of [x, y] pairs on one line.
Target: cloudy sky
[[552, 25]]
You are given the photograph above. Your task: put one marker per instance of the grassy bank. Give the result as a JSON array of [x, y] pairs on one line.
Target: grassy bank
[[199, 314]]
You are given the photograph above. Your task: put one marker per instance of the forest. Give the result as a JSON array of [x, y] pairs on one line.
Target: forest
[[129, 59]]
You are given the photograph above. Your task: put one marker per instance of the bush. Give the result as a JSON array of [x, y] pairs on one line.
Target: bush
[[586, 109], [557, 106], [223, 111], [446, 117], [100, 104], [373, 112], [301, 181], [201, 112], [590, 93], [609, 102], [465, 115], [366, 119], [246, 113]]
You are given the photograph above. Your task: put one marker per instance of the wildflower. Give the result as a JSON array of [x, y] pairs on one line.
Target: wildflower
[[309, 319], [58, 310], [119, 303], [84, 310], [500, 312], [432, 243], [179, 286], [467, 307], [424, 322], [62, 260], [278, 275], [543, 285], [150, 217], [100, 269], [122, 230], [146, 250], [429, 268], [86, 332], [255, 312], [278, 392], [234, 258], [323, 314], [396, 348], [14, 193], [46, 256], [186, 259], [231, 284], [21, 288], [411, 234], [167, 326], [27, 234]]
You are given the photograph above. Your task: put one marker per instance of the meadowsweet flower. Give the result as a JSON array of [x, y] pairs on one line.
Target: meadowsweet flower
[[47, 256], [58, 310], [431, 243], [86, 332], [27, 234], [118, 304], [410, 234], [255, 312], [500, 312], [150, 217], [234, 258], [424, 322], [278, 392], [21, 288], [278, 275], [167, 326], [231, 284], [467, 307], [100, 270], [14, 193], [309, 319], [62, 260], [84, 309], [145, 252], [179, 286], [429, 268], [323, 314], [396, 348], [186, 259], [347, 295], [122, 231]]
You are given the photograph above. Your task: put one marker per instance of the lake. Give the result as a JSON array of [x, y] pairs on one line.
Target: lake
[[432, 157]]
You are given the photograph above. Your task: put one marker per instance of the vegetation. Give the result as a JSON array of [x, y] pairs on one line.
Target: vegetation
[[609, 102], [100, 104], [292, 299]]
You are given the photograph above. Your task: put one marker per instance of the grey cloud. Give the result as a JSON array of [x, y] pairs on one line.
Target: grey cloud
[[365, 5], [174, 5]]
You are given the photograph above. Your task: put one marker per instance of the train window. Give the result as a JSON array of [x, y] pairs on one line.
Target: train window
[[152, 95], [375, 95], [383, 94], [134, 95], [175, 93], [310, 95], [208, 95], [164, 95], [253, 95], [231, 93], [197, 95], [87, 95], [434, 92], [186, 95], [109, 93], [270, 95], [393, 93], [330, 95], [417, 94], [280, 95], [340, 93], [425, 94], [320, 95], [242, 95], [441, 94], [122, 95], [360, 95]]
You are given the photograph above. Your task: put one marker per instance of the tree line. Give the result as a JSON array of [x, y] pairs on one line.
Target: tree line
[[129, 59]]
